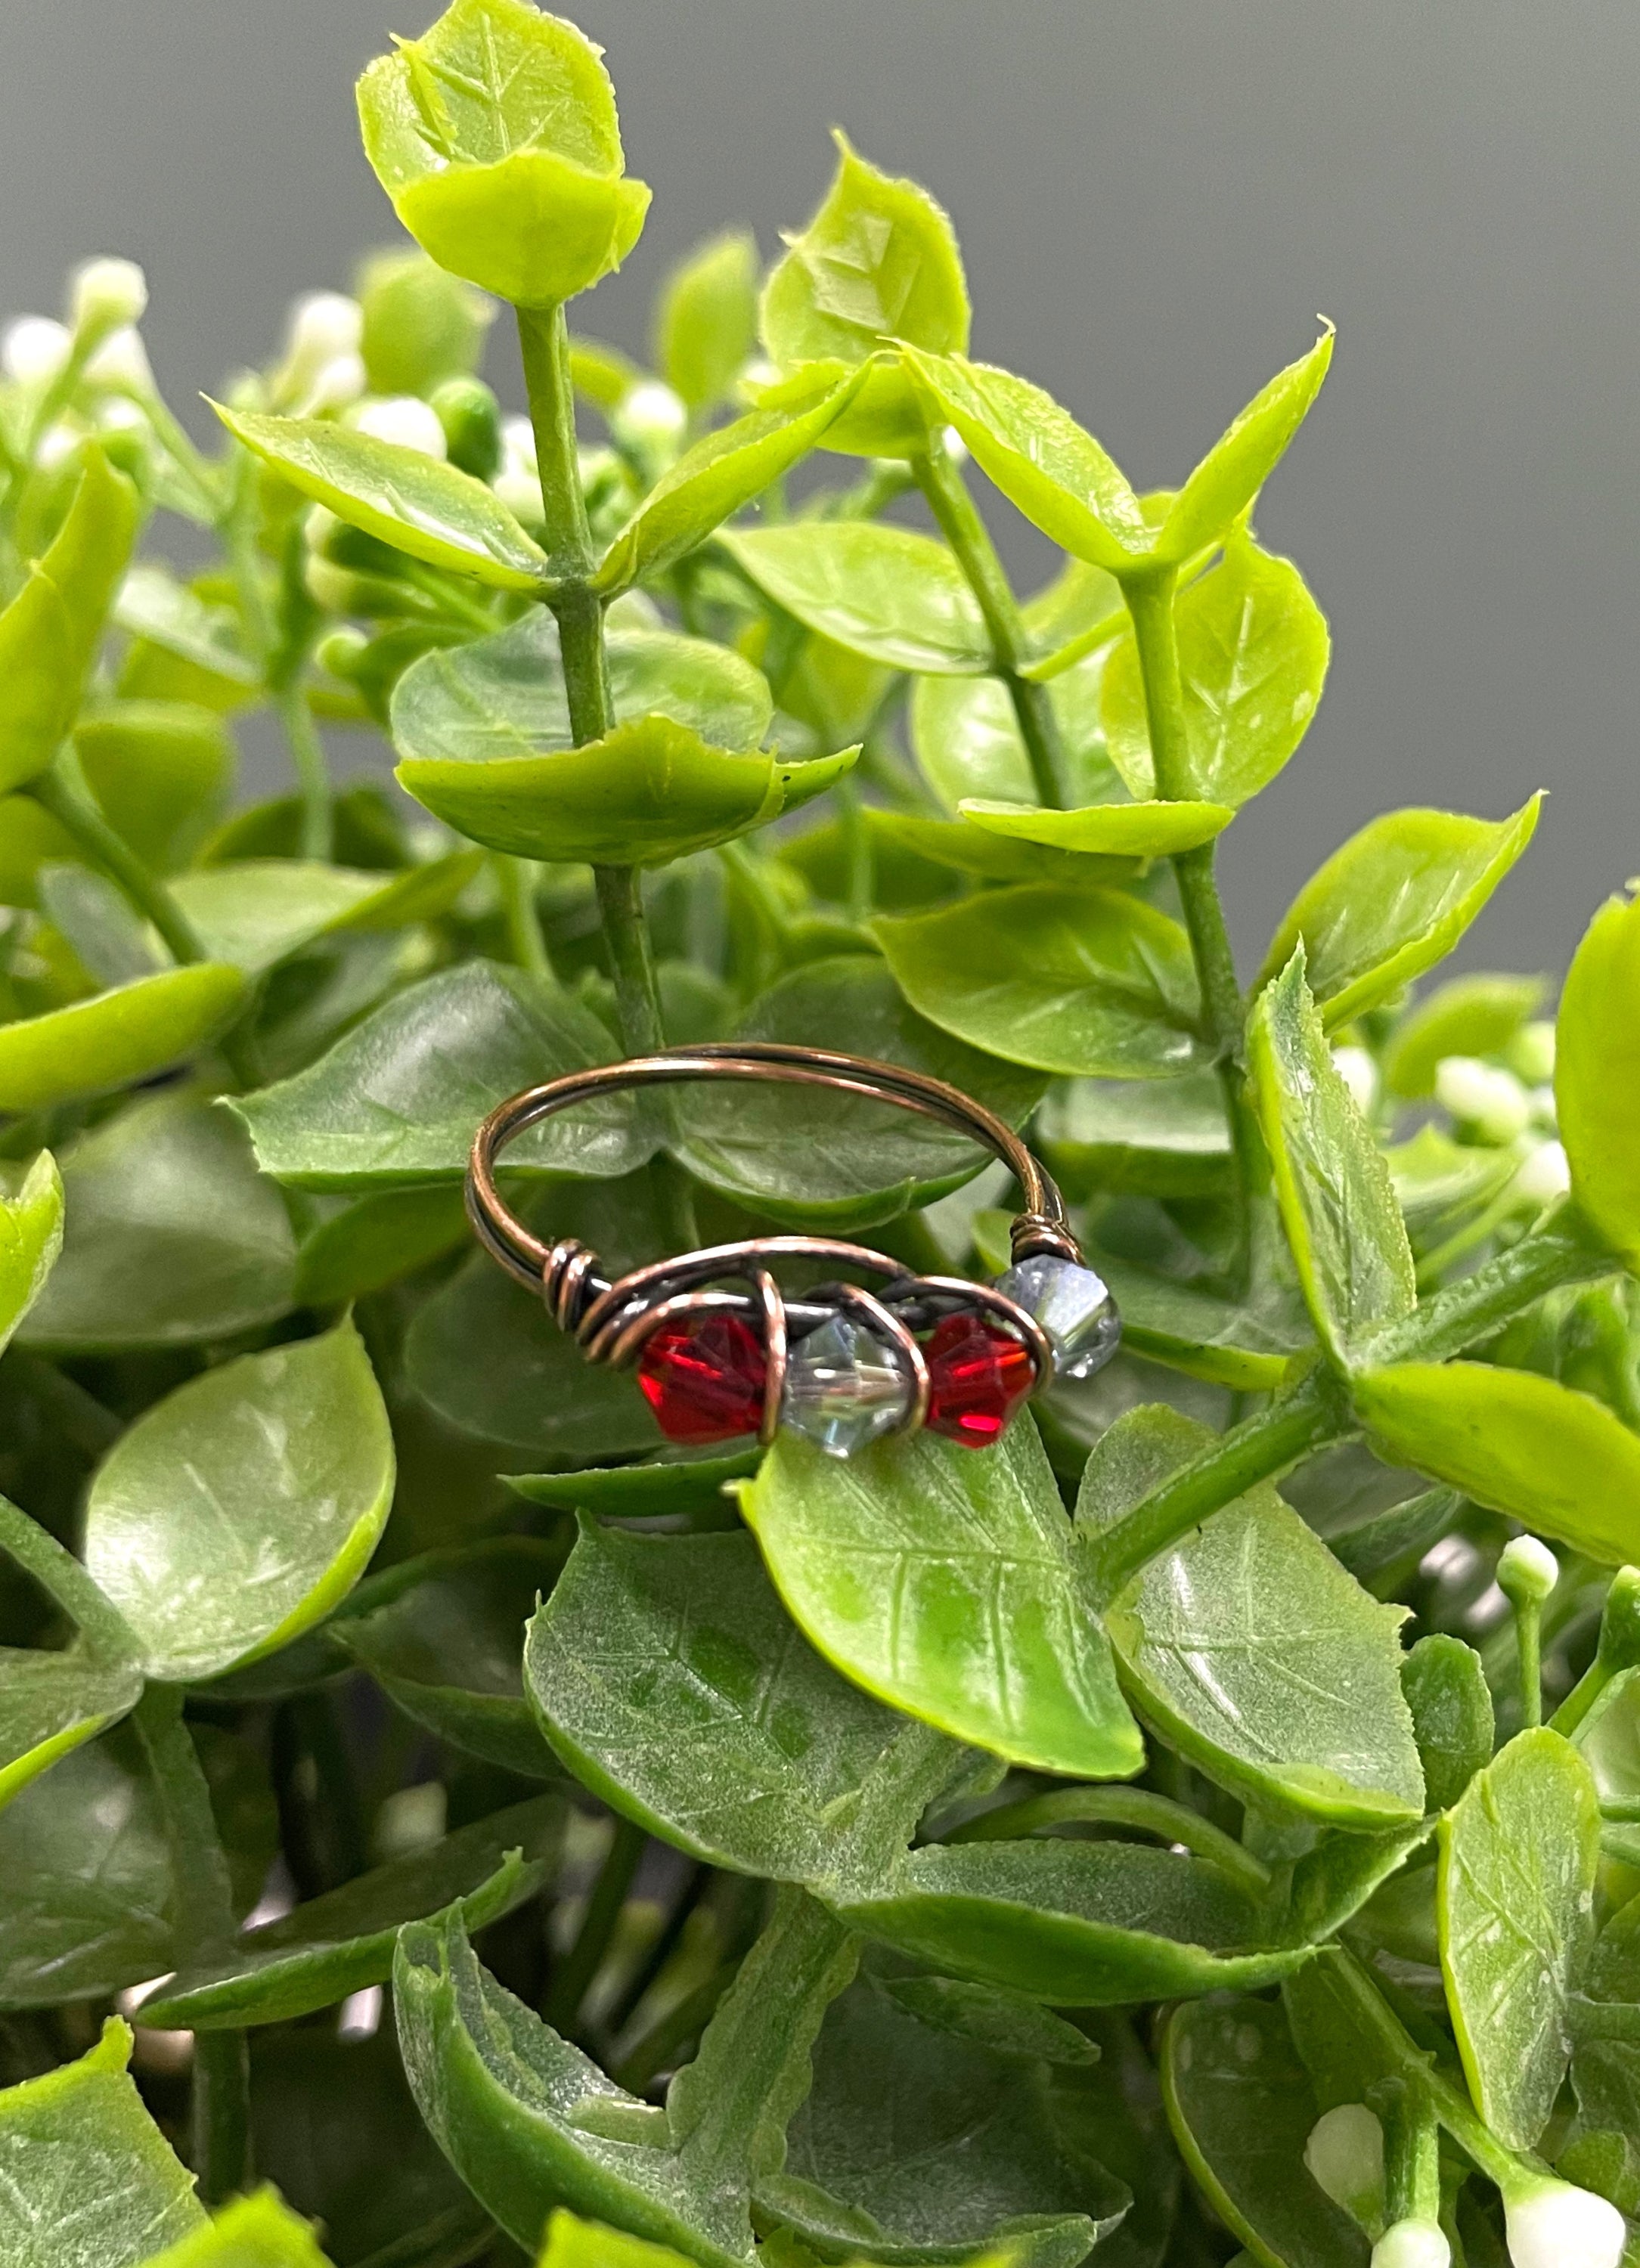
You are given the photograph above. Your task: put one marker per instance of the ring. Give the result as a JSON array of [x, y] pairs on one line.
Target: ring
[[841, 1365]]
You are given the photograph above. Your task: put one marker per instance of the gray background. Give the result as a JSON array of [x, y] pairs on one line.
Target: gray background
[[1155, 197]]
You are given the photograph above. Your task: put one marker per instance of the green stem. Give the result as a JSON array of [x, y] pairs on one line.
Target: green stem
[[66, 1583], [1412, 2149], [959, 521], [64, 794], [1261, 1449], [204, 1894], [1529, 1638], [313, 773], [544, 341], [1472, 1309], [1120, 1807], [581, 1963], [1150, 603], [515, 879]]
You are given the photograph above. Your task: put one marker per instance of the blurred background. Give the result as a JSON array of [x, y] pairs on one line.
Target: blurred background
[[1155, 198]]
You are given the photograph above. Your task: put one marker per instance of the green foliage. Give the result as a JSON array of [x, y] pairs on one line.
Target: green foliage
[[923, 1858]]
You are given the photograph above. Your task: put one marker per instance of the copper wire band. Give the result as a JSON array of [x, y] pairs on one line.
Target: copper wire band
[[612, 1320]]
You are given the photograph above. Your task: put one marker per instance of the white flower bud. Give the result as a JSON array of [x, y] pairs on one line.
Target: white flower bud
[[1360, 1074], [34, 348], [404, 419], [1345, 2153], [106, 295], [1531, 1053], [122, 361], [518, 446], [651, 418], [57, 442], [1411, 2245], [1552, 2225], [120, 414], [956, 447], [1527, 1569], [324, 325], [337, 384], [1482, 1095], [521, 492], [1543, 1177]]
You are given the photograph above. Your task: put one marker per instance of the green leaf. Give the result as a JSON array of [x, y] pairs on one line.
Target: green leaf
[[945, 1582], [1596, 1073], [1252, 658], [795, 1158], [1078, 1924], [1121, 830], [1007, 2022], [90, 2180], [974, 2153], [416, 502], [235, 1513], [1240, 462], [574, 2244], [1338, 1202], [373, 1241], [485, 1353], [711, 482], [443, 1635], [50, 1703], [963, 848], [49, 633], [1250, 1648], [116, 1038], [161, 771], [669, 1483], [1087, 982], [668, 1678], [878, 264], [1040, 458], [896, 597], [531, 2123], [707, 319], [483, 732], [1394, 901], [495, 136], [967, 740], [1557, 1459], [1467, 1016], [1196, 1331], [173, 1236], [254, 2232], [108, 938], [31, 1238], [1517, 1863], [397, 1100], [1445, 1682], [1158, 1138], [258, 911], [205, 635], [1241, 2106], [329, 1947]]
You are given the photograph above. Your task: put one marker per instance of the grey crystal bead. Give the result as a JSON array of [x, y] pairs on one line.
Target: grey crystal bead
[[1073, 1306], [844, 1387]]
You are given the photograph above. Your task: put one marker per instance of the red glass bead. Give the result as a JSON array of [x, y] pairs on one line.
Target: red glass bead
[[980, 1374], [705, 1380]]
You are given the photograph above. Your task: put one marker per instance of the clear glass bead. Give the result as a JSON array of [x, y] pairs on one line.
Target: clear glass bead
[[1073, 1306], [844, 1387]]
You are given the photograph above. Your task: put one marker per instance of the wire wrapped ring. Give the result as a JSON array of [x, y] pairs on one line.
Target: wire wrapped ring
[[842, 1364]]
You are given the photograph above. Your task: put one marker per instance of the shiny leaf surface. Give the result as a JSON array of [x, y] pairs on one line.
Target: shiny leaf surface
[[116, 1038], [1596, 1072], [887, 592]]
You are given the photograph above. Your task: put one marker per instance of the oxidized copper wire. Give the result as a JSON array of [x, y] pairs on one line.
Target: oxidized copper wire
[[611, 1321]]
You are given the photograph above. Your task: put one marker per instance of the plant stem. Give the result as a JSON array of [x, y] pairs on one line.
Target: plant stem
[[64, 794], [1120, 1807], [204, 1894], [581, 1963], [66, 1583], [1472, 1308], [959, 521], [1150, 603], [1259, 1449], [313, 772], [515, 879]]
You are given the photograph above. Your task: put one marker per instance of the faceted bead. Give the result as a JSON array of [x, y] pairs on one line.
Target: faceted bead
[[1073, 1306], [980, 1374], [704, 1380], [844, 1387]]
